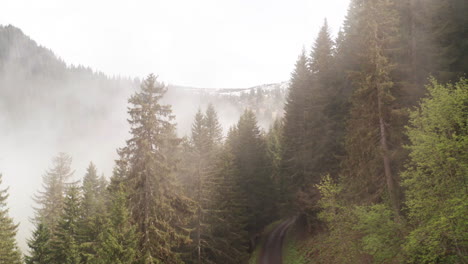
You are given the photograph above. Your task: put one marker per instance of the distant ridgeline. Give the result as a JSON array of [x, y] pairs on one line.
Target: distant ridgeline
[[35, 83], [266, 101]]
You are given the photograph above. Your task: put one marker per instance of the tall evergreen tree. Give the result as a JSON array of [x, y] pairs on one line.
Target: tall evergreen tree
[[9, 252], [156, 207], [368, 165]]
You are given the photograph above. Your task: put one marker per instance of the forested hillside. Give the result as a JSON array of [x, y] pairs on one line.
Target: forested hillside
[[374, 137], [368, 163]]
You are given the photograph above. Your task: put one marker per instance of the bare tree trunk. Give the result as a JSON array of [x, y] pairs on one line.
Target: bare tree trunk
[[199, 213], [392, 188]]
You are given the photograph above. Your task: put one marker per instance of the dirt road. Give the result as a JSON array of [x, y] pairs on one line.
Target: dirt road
[[272, 249]]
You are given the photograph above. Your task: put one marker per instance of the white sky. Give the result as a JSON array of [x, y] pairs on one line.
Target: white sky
[[203, 43]]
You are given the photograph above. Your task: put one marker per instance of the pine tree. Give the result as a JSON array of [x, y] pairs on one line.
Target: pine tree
[[39, 244], [65, 242], [9, 252], [51, 199], [157, 209]]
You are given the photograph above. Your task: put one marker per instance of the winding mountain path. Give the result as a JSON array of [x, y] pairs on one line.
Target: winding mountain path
[[272, 249]]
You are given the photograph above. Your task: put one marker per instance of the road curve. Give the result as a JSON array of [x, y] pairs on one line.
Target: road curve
[[272, 249]]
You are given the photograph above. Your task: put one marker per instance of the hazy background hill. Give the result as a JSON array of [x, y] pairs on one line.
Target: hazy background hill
[[47, 106]]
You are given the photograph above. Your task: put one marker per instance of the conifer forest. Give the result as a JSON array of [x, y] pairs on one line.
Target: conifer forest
[[360, 157]]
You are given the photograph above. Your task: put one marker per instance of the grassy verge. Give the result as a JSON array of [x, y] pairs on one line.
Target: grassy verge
[[254, 257], [292, 253]]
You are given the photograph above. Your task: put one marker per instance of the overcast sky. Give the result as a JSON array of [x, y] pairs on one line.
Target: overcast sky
[[203, 43]]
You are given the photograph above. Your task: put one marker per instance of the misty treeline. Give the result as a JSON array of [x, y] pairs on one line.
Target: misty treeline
[[169, 200], [371, 152]]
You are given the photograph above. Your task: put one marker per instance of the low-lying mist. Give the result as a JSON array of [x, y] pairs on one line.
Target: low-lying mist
[[48, 107]]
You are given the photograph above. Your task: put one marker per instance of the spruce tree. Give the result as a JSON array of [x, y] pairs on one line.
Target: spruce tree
[[9, 252], [157, 209]]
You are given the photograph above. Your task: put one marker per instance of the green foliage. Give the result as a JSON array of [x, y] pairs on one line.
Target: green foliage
[[382, 234], [291, 252], [341, 242], [9, 252], [436, 176]]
